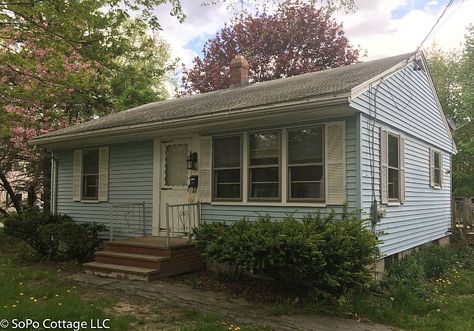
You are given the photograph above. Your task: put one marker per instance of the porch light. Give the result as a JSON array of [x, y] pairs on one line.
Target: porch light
[[192, 160]]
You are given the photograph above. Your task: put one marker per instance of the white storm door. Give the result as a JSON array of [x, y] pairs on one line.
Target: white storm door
[[174, 177]]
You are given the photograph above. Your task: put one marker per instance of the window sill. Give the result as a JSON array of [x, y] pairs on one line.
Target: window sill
[[270, 204], [437, 187], [90, 201], [394, 203]]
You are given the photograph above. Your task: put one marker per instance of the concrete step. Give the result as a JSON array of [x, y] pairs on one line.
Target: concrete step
[[120, 271], [128, 259]]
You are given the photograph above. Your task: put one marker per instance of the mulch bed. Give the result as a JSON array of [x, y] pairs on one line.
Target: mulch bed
[[253, 289]]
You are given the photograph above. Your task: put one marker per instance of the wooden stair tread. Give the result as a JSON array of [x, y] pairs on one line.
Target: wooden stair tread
[[120, 268], [142, 257], [157, 245]]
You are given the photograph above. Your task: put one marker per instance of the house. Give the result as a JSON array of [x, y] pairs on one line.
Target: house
[[370, 136]]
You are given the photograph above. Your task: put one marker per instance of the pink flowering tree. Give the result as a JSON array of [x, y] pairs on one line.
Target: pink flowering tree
[[64, 62]]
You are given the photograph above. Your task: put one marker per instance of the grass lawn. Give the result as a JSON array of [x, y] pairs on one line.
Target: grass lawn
[[38, 291]]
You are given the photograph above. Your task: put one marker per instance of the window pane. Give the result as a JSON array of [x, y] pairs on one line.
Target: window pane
[[90, 162], [437, 177], [306, 173], [393, 183], [307, 191], [265, 190], [227, 176], [437, 160], [264, 148], [227, 184], [90, 186], [264, 174], [305, 145], [227, 152], [392, 151], [227, 191], [176, 172]]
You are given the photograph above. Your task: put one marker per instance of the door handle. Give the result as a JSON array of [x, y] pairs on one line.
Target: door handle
[[166, 188]]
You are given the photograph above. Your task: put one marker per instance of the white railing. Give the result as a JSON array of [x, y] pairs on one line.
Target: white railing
[[127, 219], [181, 220]]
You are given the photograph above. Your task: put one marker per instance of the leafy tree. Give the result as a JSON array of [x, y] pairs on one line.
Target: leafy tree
[[296, 39], [452, 75], [63, 62]]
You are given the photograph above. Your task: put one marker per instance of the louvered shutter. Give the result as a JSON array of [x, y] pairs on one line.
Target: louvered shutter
[[383, 166], [205, 168], [431, 167], [77, 176], [401, 159], [336, 163], [103, 174]]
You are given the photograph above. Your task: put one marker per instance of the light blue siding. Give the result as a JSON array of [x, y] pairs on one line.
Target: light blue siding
[[406, 101], [130, 181], [426, 213], [230, 213]]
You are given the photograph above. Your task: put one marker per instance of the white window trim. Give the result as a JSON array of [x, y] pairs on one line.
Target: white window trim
[[283, 201], [437, 186]]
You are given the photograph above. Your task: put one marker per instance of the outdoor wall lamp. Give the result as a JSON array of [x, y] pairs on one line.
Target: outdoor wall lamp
[[192, 160]]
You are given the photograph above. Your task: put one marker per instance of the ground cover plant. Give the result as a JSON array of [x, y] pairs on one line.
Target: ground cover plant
[[431, 289]]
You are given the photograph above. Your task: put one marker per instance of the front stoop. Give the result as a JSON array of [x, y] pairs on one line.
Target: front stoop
[[145, 259]]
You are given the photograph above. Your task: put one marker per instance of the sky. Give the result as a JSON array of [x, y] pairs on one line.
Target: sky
[[379, 27]]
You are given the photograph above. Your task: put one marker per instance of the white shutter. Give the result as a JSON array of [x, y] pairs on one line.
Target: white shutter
[[335, 163], [383, 166], [103, 174], [431, 170], [205, 168], [401, 159], [77, 176]]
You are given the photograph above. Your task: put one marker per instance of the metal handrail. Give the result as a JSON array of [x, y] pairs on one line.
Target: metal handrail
[[141, 217], [188, 214]]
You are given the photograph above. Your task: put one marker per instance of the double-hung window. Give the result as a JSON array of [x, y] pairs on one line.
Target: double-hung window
[[393, 168], [90, 174], [264, 165], [227, 168], [306, 164], [437, 169]]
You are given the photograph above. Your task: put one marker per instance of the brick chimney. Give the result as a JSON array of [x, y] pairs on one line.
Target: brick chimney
[[239, 72]]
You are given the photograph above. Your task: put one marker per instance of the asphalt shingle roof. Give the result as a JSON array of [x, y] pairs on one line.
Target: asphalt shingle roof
[[329, 82]]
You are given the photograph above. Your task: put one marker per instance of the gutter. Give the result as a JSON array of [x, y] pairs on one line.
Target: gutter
[[280, 108]]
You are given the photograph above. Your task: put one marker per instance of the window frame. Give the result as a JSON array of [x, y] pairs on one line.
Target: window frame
[[435, 184], [322, 163], [389, 167], [213, 169], [83, 175], [249, 167]]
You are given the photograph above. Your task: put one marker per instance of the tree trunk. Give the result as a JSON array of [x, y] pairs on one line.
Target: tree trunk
[[11, 192]]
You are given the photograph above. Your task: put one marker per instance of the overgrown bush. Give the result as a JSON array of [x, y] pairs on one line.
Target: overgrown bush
[[54, 236], [327, 255]]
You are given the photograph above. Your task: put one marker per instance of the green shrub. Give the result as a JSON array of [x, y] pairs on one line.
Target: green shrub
[[54, 236], [327, 255]]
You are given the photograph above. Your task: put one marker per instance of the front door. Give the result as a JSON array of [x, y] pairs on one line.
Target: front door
[[174, 178]]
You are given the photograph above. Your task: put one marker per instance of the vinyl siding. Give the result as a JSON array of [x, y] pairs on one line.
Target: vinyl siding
[[407, 105], [130, 181], [406, 101], [232, 213]]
